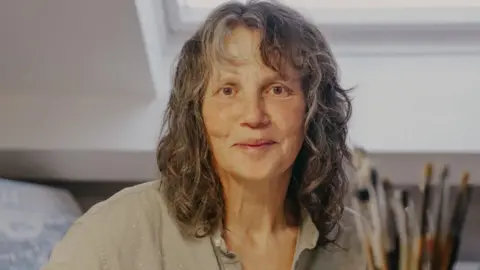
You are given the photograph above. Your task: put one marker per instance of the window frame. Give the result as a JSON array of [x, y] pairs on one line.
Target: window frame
[[379, 31], [181, 19]]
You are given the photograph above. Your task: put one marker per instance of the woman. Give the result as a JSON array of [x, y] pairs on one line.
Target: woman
[[251, 160]]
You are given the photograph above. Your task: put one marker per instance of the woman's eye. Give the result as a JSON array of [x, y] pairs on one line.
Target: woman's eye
[[227, 91], [279, 90]]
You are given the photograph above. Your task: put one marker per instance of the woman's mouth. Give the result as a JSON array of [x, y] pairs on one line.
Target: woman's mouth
[[256, 144]]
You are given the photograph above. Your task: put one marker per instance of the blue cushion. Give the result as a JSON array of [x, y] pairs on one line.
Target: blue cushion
[[32, 219]]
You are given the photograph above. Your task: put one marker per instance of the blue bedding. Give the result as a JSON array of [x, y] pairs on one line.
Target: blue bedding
[[32, 219]]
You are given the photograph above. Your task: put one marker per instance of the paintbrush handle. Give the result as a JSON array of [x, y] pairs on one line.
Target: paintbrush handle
[[420, 250], [404, 256], [455, 246]]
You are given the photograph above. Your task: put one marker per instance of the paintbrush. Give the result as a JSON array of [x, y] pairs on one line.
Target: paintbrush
[[462, 203], [391, 233], [425, 188], [413, 233], [399, 205], [360, 204], [366, 175], [377, 203], [436, 257]]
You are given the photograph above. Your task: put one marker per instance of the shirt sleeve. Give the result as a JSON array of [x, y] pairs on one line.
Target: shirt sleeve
[[355, 258], [78, 250]]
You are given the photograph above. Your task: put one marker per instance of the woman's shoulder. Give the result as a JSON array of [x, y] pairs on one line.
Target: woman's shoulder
[[145, 196], [139, 203], [136, 209], [346, 252], [126, 223]]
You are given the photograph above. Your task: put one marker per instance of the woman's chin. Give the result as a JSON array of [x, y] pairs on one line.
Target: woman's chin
[[256, 173]]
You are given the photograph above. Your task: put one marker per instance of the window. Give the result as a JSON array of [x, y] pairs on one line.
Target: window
[[184, 15], [352, 16], [364, 27], [348, 4]]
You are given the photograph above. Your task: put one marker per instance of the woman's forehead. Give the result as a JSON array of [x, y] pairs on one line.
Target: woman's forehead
[[242, 48], [243, 44]]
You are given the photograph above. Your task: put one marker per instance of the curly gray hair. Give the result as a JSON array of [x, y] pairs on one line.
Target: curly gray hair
[[319, 182]]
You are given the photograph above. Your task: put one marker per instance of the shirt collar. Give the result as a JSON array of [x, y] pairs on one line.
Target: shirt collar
[[307, 236]]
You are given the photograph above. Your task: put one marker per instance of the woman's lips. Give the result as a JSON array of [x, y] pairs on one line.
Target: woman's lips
[[255, 144]]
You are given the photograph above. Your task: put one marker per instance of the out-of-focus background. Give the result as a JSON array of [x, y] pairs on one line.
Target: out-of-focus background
[[83, 86]]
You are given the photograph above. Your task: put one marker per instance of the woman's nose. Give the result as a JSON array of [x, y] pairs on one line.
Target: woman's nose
[[254, 113]]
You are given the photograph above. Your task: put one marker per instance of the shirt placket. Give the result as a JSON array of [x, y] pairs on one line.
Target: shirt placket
[[227, 260]]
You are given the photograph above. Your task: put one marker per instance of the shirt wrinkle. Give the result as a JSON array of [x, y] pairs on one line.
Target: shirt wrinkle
[[133, 231]]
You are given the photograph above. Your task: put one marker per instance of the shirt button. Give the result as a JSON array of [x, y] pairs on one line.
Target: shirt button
[[230, 255]]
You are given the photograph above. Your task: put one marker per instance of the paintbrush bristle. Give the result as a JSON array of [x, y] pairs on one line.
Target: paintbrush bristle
[[360, 151], [428, 172], [445, 172], [387, 184], [374, 177], [359, 155], [405, 198], [363, 195], [465, 178], [363, 172]]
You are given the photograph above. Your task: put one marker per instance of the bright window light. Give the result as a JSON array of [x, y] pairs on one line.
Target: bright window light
[[187, 14], [348, 4]]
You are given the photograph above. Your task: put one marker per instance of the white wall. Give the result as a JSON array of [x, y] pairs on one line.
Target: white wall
[[402, 104], [415, 103]]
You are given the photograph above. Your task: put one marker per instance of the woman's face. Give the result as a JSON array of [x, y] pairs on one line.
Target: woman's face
[[253, 116]]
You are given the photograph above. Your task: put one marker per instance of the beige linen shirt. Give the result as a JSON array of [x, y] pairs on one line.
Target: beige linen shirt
[[133, 231]]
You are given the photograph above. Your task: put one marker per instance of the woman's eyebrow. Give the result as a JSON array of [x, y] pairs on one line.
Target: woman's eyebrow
[[281, 77], [227, 77]]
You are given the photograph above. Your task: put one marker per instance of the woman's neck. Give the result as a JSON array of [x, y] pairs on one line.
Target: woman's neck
[[255, 207]]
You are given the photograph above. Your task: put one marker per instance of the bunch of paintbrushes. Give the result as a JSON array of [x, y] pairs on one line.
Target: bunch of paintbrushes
[[397, 235]]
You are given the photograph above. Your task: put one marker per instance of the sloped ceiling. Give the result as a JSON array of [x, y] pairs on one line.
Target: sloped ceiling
[[87, 46]]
